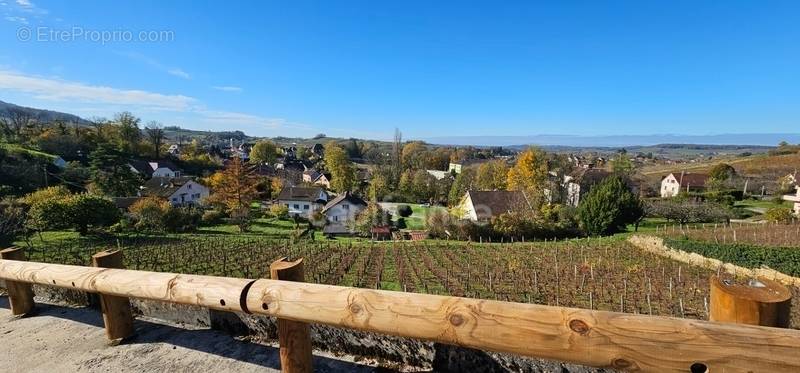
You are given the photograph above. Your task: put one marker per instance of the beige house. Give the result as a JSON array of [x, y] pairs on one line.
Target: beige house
[[673, 184], [484, 205]]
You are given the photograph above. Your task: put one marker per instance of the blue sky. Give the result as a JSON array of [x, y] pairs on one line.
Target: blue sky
[[349, 68]]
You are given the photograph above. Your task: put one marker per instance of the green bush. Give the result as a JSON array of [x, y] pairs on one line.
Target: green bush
[[279, 210], [401, 223], [782, 259], [609, 207], [212, 217], [182, 219], [88, 210], [404, 211], [78, 211], [149, 213], [779, 215], [12, 220]]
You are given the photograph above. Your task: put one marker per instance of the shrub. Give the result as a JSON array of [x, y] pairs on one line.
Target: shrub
[[779, 215], [46, 194], [401, 223], [78, 211], [149, 213], [182, 219], [440, 224], [212, 217], [88, 210], [49, 214], [279, 210], [12, 220], [404, 211]]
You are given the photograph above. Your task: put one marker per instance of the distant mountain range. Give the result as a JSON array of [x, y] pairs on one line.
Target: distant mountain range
[[7, 109], [616, 141], [547, 141]]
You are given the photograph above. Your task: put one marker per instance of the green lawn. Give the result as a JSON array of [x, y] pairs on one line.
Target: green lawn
[[419, 214], [762, 204], [279, 228]]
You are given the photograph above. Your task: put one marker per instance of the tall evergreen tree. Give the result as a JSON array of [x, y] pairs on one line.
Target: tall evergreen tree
[[609, 207], [111, 173]]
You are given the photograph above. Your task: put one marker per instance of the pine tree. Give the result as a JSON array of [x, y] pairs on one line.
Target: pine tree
[[609, 207]]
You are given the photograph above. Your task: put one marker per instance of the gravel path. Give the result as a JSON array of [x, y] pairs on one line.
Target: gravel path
[[63, 339]]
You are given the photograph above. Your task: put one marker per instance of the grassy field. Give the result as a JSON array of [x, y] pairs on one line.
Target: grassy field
[[418, 216]]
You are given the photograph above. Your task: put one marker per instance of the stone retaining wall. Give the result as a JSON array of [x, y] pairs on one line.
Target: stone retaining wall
[[657, 246]]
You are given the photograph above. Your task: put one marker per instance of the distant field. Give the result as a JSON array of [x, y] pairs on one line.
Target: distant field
[[752, 165]]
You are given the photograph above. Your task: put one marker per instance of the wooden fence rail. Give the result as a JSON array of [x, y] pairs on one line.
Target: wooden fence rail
[[594, 338]]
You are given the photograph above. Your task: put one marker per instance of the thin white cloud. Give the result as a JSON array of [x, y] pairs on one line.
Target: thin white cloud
[[21, 20], [30, 7], [227, 88], [60, 90], [92, 99], [179, 73], [156, 64]]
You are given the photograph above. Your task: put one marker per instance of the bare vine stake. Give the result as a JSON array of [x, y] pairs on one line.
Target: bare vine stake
[[670, 288], [591, 301], [680, 301], [705, 305], [649, 306]]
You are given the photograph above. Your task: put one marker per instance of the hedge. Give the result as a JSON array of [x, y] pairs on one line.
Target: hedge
[[782, 259]]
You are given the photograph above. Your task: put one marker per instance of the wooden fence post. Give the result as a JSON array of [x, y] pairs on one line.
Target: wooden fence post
[[20, 294], [117, 315], [294, 337], [759, 302]]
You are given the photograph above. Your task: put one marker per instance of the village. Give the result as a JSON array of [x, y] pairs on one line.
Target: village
[[416, 186], [350, 188]]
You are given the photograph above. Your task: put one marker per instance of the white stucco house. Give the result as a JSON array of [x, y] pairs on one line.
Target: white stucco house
[[673, 184], [301, 201], [794, 198], [179, 191], [155, 169], [164, 169], [340, 211], [484, 205]]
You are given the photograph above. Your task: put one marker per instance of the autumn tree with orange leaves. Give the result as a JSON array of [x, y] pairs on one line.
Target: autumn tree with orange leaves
[[235, 190]]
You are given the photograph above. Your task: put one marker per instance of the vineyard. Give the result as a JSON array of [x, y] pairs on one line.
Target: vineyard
[[594, 274], [770, 235]]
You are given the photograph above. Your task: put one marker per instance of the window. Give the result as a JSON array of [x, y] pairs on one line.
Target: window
[[188, 186], [305, 207], [346, 206], [335, 218], [297, 207]]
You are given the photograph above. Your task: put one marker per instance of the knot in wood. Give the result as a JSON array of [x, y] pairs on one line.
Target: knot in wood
[[621, 363], [579, 326], [456, 319], [355, 308]]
